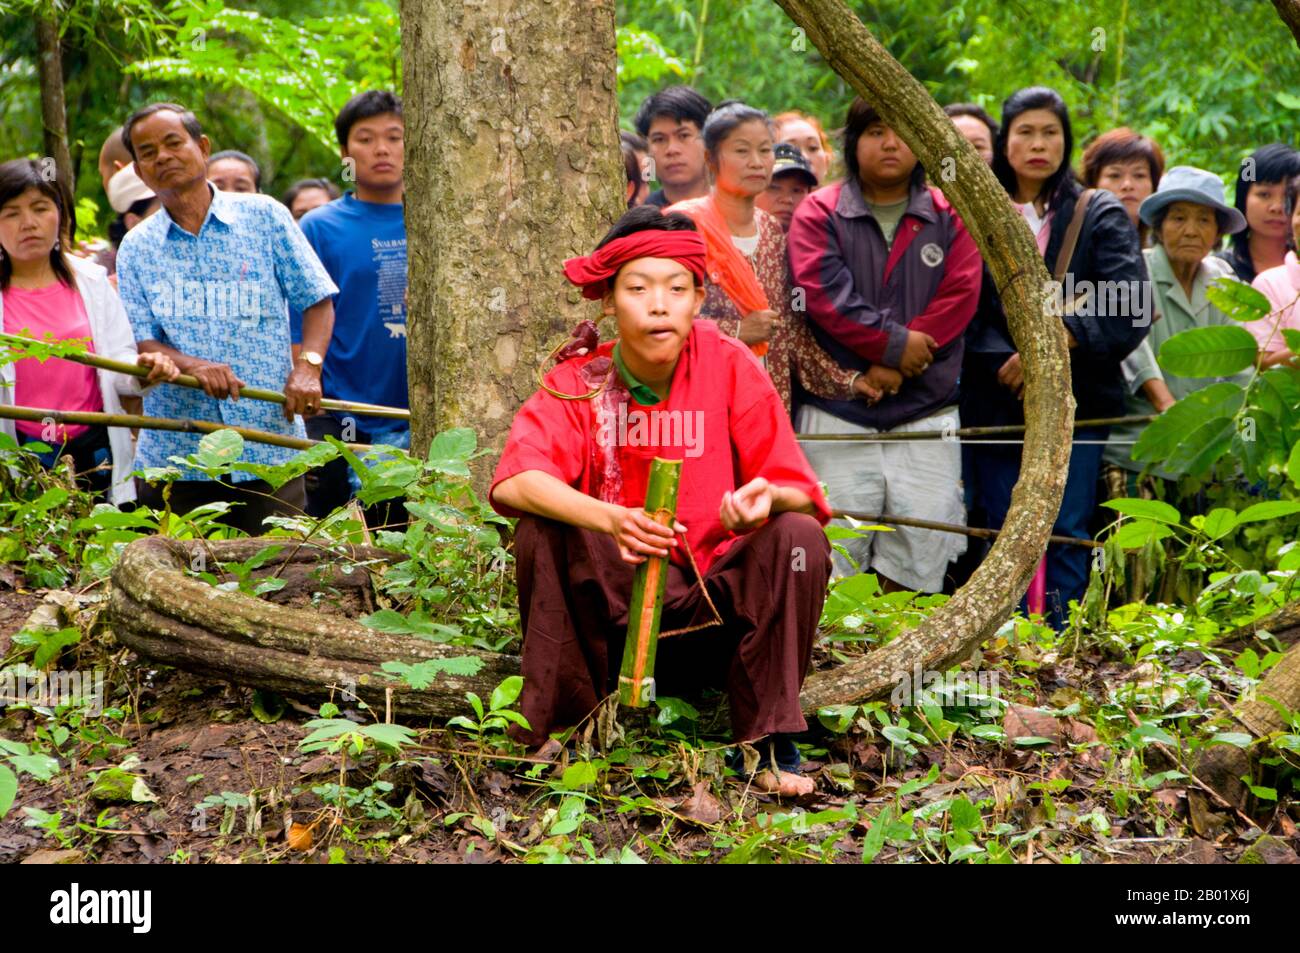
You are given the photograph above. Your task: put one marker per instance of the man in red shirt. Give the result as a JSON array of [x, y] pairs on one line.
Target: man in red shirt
[[749, 507]]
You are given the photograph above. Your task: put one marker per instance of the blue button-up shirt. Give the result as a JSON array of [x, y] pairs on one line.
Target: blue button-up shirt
[[222, 295]]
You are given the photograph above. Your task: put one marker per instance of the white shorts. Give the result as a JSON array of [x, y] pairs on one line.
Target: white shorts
[[915, 478]]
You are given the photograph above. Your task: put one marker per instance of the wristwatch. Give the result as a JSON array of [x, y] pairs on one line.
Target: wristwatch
[[312, 358]]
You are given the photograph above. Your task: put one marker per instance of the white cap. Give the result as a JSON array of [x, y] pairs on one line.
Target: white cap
[[126, 188]]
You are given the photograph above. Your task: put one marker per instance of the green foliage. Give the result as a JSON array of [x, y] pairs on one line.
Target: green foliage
[[1207, 80], [1213, 431], [337, 734], [305, 68], [456, 584], [498, 715], [1215, 351], [421, 675]]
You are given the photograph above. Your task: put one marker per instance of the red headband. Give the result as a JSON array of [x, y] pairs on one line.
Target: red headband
[[592, 272]]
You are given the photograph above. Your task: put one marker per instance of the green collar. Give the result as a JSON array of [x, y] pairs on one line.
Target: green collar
[[641, 393]]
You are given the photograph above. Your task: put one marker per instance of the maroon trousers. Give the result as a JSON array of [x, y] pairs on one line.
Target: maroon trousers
[[574, 590]]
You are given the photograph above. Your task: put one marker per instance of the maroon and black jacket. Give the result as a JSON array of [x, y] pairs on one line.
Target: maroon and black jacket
[[862, 297]]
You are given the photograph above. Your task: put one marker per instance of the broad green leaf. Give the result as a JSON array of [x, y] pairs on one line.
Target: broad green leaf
[[53, 645], [1219, 523], [1136, 534], [219, 448], [1154, 733], [504, 695], [1238, 739], [674, 709], [1161, 438], [389, 736], [450, 451], [916, 784], [1293, 464], [964, 815], [8, 789], [580, 774], [1146, 509], [1203, 447], [1214, 351], [964, 851], [40, 766], [1268, 510], [1237, 299], [875, 839]]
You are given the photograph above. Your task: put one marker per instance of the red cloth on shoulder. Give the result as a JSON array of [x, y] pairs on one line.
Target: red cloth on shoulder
[[723, 419]]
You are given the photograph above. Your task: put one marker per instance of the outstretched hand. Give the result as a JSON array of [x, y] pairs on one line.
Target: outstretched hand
[[747, 507]]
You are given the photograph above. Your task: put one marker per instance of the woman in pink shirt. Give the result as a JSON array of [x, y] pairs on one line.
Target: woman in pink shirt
[[44, 291], [1281, 286]]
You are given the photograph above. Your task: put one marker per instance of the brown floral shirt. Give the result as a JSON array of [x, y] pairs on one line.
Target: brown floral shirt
[[792, 349]]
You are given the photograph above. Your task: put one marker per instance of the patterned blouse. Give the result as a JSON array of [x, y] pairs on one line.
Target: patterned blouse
[[792, 349]]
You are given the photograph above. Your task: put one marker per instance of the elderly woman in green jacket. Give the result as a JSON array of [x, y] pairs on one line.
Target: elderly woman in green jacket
[[1188, 218]]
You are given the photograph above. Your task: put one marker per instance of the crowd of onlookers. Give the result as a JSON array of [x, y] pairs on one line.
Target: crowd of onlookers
[[883, 316], [854, 280]]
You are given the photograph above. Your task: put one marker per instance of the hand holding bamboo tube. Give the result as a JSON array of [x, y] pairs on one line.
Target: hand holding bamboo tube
[[636, 675]]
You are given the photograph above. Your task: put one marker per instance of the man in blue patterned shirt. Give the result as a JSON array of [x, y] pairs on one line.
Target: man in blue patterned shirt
[[209, 281]]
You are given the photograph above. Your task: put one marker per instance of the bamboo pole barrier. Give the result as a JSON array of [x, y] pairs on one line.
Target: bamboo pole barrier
[[186, 380], [1000, 430], [955, 528], [96, 419]]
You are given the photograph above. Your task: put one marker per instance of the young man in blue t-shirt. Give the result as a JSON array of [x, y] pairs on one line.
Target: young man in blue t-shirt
[[361, 239]]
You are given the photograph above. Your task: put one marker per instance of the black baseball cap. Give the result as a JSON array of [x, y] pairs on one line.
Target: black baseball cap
[[790, 161]]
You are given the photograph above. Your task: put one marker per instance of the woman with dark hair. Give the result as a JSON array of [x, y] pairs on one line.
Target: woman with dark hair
[[748, 282], [976, 126], [307, 194], [233, 171], [1261, 197], [637, 188], [44, 291], [1126, 164], [1281, 285], [1032, 161]]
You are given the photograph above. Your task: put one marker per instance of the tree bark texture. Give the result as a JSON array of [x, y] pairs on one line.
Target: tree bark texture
[[512, 165], [54, 115]]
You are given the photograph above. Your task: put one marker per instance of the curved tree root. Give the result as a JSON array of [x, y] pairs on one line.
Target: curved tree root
[[170, 617]]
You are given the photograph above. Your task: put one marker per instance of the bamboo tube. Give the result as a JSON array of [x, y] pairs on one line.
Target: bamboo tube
[[186, 380], [636, 683], [96, 419]]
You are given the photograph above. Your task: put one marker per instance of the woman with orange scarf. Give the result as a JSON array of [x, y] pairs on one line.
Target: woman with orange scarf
[[747, 270]]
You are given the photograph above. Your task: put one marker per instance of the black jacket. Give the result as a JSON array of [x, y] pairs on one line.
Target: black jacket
[[1108, 325]]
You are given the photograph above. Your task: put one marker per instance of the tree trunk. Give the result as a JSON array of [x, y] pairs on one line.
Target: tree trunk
[[976, 611], [512, 165], [1289, 11], [54, 116]]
